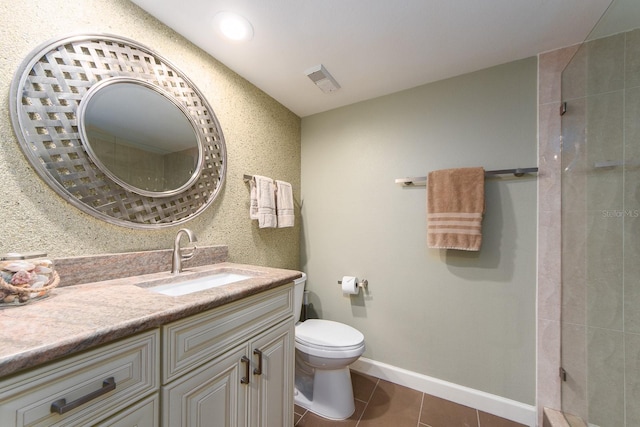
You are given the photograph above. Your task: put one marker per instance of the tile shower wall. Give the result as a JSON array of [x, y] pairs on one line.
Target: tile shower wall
[[262, 137], [550, 66], [600, 230]]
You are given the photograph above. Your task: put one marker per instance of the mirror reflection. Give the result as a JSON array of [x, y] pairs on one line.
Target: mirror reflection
[[139, 137]]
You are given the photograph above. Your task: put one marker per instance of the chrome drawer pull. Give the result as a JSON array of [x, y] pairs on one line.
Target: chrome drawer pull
[[258, 370], [245, 379], [61, 406]]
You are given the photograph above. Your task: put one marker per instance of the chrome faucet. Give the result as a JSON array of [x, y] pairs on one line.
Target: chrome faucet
[[178, 257]]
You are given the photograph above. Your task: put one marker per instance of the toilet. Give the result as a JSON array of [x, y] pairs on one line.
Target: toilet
[[324, 351]]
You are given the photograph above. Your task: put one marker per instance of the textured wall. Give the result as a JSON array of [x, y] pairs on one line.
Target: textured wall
[[262, 137], [467, 318]]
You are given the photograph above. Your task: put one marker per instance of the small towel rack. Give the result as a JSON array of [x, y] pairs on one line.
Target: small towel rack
[[422, 180]]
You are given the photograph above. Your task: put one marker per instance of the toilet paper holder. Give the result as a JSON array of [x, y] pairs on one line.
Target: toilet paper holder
[[362, 283]]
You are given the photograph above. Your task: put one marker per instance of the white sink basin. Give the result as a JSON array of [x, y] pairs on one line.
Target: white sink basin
[[199, 284]]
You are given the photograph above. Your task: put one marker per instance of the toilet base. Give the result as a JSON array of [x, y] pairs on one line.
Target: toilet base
[[327, 393]]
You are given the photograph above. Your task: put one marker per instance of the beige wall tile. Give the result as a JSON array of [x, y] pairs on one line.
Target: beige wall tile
[[548, 363], [632, 59], [631, 273], [632, 378], [605, 64], [551, 65], [604, 271], [605, 374], [574, 361], [574, 76]]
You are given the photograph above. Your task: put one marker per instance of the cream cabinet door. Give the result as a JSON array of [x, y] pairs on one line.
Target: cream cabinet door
[[233, 366], [272, 377], [214, 395]]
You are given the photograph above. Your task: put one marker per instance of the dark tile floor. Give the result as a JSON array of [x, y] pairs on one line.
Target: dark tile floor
[[380, 403]]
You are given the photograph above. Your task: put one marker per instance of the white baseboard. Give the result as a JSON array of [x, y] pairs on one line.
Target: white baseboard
[[486, 402]]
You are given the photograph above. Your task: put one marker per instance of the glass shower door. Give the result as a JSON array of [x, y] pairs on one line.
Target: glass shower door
[[600, 347]]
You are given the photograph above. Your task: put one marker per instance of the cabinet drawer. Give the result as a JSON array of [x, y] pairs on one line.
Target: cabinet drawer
[[145, 413], [130, 364], [190, 342]]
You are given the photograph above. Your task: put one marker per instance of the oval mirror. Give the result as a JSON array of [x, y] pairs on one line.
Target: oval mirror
[[140, 137], [120, 84]]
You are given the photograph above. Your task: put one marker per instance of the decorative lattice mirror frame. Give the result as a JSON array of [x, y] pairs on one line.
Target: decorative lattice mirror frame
[[45, 94]]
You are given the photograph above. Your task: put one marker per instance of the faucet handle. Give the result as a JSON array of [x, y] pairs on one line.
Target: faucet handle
[[186, 256]]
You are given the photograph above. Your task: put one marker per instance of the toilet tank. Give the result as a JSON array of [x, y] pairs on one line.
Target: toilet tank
[[298, 295]]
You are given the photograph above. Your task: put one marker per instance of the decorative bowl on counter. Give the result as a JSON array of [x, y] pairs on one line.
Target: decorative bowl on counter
[[25, 278]]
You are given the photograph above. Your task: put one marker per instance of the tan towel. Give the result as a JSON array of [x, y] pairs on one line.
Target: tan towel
[[455, 204], [263, 201], [284, 204]]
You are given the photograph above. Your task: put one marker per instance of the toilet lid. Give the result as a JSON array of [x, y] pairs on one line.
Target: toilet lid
[[327, 333]]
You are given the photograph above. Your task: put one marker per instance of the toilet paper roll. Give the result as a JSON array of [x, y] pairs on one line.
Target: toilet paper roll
[[350, 285]]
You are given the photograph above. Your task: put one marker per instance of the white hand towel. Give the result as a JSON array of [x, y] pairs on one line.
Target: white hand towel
[[284, 203], [263, 202], [253, 201]]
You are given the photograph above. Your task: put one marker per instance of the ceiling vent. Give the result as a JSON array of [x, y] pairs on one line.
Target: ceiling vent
[[321, 77]]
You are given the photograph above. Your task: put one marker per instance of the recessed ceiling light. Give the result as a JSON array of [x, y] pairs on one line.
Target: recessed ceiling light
[[233, 26]]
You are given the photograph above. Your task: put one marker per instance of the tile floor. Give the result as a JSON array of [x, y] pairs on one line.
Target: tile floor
[[380, 403]]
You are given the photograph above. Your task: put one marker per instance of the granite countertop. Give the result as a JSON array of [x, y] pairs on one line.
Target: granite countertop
[[78, 317]]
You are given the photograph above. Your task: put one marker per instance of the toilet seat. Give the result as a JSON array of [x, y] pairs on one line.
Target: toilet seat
[[326, 338]]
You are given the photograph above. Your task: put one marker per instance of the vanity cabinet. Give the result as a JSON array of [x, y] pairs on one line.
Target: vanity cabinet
[[113, 385], [231, 366]]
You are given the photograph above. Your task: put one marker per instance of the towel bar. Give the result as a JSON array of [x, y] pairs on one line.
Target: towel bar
[[608, 164], [246, 178], [422, 180]]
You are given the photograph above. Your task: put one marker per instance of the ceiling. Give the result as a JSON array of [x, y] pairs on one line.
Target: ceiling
[[375, 47]]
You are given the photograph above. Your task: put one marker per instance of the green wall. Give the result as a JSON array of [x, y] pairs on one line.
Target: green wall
[[463, 317]]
